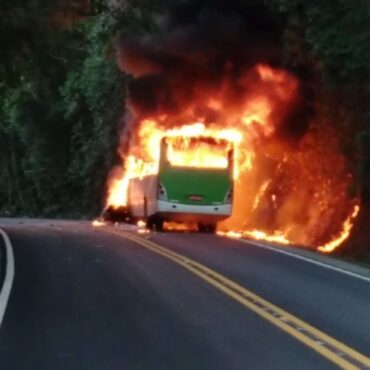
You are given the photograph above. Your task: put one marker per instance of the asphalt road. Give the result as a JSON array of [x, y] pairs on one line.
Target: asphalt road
[[91, 299]]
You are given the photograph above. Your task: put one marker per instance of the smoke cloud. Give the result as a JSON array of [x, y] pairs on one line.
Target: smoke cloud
[[207, 48], [220, 62]]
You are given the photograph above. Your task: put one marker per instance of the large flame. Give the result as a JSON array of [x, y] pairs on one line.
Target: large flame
[[343, 234], [280, 195], [190, 153], [184, 150]]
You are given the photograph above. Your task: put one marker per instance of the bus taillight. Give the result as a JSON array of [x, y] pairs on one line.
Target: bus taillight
[[161, 192], [229, 196], [195, 198]]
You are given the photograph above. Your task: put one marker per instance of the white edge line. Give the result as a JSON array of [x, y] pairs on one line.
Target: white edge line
[[9, 275], [306, 259]]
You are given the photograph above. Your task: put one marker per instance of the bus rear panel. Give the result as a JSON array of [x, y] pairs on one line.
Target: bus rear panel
[[183, 194]]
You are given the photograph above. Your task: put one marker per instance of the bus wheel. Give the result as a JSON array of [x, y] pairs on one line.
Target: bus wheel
[[207, 228], [159, 224], [154, 223]]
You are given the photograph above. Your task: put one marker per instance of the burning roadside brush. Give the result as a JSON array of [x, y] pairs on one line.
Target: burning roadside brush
[[216, 73]]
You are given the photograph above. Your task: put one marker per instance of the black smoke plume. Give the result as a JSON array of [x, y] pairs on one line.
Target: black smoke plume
[[199, 44]]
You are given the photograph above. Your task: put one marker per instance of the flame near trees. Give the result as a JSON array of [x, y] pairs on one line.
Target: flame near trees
[[241, 123], [249, 131], [213, 75]]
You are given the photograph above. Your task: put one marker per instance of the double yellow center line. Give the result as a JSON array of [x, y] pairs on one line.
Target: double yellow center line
[[330, 348]]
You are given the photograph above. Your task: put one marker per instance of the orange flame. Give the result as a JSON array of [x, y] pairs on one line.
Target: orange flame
[[242, 126], [183, 151], [230, 234], [276, 237], [236, 125], [186, 153], [344, 234], [117, 193], [98, 223], [141, 224], [175, 226]]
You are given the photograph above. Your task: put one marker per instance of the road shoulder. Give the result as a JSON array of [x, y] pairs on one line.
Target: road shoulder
[[331, 261], [2, 262]]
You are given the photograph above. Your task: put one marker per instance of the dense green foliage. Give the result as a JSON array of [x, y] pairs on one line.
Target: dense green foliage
[[61, 99], [62, 95], [331, 39]]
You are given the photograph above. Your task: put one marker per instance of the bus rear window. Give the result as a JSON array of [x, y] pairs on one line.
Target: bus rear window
[[197, 152]]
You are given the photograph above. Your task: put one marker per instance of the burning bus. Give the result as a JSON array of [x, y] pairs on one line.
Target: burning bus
[[192, 81], [193, 184], [183, 166]]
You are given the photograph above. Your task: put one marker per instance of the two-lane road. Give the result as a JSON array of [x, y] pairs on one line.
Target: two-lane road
[[101, 299]]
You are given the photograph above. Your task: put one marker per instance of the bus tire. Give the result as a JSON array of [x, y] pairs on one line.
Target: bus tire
[[207, 228], [154, 223], [159, 224]]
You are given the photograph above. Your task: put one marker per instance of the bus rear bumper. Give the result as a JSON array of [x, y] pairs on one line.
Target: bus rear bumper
[[218, 211]]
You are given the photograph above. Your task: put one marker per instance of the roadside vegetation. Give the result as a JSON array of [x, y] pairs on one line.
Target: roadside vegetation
[[62, 94], [61, 99]]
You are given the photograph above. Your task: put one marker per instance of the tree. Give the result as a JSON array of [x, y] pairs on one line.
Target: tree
[[61, 99]]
